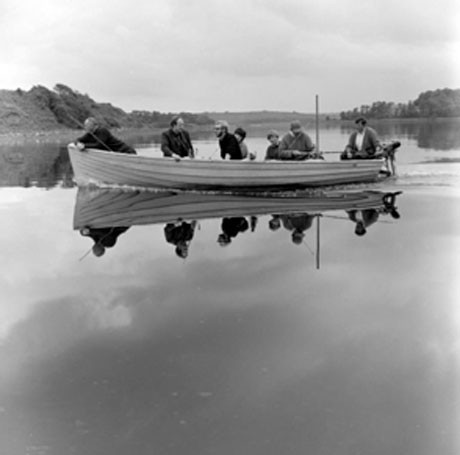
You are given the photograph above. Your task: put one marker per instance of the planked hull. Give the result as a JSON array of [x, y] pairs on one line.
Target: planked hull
[[100, 167], [99, 208]]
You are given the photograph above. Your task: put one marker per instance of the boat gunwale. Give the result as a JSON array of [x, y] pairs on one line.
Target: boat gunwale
[[208, 163], [103, 167]]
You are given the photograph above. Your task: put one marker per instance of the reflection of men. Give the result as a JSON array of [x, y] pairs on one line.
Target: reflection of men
[[363, 143], [180, 234], [227, 142], [231, 227], [275, 223], [363, 219], [298, 142], [98, 137], [297, 224], [176, 140], [103, 237]]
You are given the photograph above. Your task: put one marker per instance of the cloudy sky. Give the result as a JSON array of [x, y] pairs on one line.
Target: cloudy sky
[[237, 55]]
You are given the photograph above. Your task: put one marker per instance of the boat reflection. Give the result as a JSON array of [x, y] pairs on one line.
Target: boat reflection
[[105, 214]]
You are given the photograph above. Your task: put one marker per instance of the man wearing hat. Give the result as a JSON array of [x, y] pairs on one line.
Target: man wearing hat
[[363, 143], [297, 142]]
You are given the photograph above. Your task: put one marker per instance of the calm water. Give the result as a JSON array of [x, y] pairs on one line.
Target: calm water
[[341, 344]]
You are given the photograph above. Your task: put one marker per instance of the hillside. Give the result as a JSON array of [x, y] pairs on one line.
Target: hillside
[[63, 108]]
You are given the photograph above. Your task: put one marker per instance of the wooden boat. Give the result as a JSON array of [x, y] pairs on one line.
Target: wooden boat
[[100, 167], [111, 207]]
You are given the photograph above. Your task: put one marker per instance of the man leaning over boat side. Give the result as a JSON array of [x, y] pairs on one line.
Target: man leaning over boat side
[[298, 143], [362, 143], [176, 140], [228, 143], [99, 137]]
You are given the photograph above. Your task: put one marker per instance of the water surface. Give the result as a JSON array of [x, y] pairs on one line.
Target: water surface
[[252, 347]]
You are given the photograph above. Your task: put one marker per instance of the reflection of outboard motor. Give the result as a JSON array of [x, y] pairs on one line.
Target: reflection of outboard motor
[[389, 200]]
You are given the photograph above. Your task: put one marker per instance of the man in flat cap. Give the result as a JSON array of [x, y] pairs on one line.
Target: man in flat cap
[[296, 143]]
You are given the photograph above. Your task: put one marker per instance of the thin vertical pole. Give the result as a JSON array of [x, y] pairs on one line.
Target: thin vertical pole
[[317, 241], [317, 125]]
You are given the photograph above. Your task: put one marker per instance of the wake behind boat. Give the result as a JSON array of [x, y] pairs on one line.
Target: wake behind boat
[[100, 167]]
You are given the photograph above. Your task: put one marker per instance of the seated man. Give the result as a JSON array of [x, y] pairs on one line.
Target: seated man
[[297, 144], [176, 140], [228, 143], [240, 135], [363, 143], [98, 137], [272, 152]]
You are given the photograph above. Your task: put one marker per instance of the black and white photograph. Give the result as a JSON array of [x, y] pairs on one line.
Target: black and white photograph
[[230, 227]]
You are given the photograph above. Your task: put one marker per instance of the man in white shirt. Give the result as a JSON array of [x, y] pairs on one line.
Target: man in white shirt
[[363, 143]]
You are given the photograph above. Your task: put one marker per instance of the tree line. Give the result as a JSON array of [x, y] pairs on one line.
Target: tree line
[[430, 104], [70, 109]]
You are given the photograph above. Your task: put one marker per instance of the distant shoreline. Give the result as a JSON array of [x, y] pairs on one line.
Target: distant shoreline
[[65, 135]]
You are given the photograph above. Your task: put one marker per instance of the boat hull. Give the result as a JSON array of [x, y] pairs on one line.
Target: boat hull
[[100, 167], [110, 207]]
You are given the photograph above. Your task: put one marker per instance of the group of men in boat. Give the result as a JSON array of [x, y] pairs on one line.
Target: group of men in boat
[[296, 144]]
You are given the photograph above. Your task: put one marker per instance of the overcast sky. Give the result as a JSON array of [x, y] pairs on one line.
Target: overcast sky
[[236, 55]]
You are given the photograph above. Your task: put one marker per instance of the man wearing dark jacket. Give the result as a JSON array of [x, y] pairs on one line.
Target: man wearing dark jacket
[[227, 142], [176, 140], [98, 137]]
